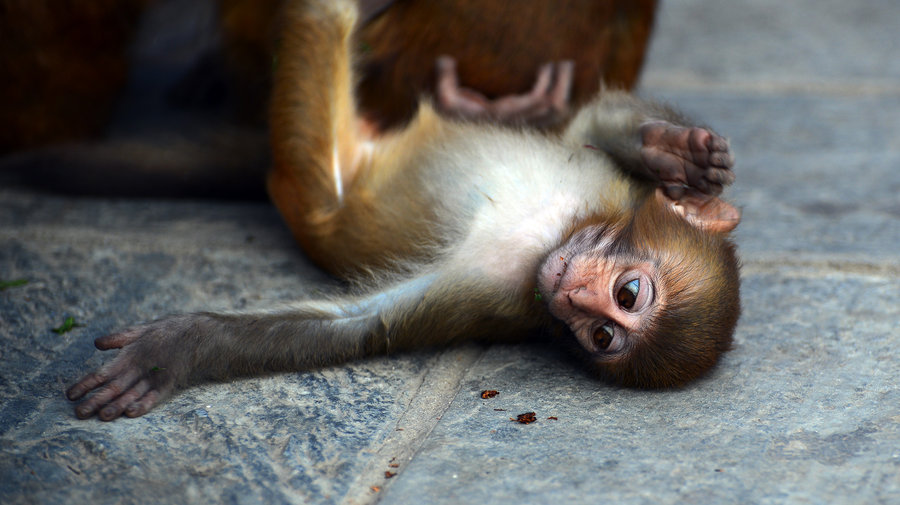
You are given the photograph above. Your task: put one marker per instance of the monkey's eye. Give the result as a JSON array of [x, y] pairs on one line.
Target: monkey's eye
[[628, 293], [603, 337]]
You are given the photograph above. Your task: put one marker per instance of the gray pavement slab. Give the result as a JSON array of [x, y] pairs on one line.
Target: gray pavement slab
[[805, 409], [818, 173], [772, 46]]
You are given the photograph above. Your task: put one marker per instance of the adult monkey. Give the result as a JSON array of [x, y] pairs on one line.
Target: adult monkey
[[477, 232], [571, 45], [55, 141]]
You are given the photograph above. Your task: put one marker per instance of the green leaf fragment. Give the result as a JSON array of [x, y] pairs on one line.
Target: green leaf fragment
[[12, 284], [67, 325]]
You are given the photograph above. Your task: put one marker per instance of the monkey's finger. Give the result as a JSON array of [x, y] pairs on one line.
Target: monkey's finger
[[143, 405], [721, 159], [518, 107], [542, 83], [115, 408], [698, 143], [720, 154], [717, 143], [448, 83], [113, 389], [452, 99], [562, 88], [703, 186], [117, 340], [446, 68], [447, 80], [713, 189], [667, 167], [720, 176], [695, 176], [96, 379], [87, 383]]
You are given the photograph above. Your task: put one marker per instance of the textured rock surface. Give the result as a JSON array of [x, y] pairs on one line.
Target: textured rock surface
[[805, 409]]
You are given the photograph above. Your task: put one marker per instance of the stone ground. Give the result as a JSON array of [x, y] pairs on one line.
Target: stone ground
[[806, 409]]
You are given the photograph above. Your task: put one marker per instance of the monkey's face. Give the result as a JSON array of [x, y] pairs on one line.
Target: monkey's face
[[604, 297], [653, 302]]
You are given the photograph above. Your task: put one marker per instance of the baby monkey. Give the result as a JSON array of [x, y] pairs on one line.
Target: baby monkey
[[609, 234]]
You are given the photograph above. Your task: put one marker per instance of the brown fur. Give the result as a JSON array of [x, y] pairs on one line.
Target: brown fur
[[67, 64], [499, 46], [695, 322], [63, 64]]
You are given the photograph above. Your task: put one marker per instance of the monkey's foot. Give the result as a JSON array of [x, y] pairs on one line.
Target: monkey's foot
[[686, 160], [546, 104]]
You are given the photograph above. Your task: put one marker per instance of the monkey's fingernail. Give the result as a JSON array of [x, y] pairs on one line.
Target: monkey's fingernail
[[83, 412], [109, 413]]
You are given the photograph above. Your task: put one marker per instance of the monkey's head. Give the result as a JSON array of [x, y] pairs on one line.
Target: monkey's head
[[651, 297]]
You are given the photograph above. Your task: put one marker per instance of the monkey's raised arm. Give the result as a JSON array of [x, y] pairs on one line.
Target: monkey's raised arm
[[655, 142]]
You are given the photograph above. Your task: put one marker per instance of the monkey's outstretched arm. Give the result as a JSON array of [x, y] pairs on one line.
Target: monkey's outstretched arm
[[654, 142], [156, 358]]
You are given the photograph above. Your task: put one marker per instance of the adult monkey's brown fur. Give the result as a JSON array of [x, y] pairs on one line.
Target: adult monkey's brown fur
[[470, 232], [63, 65], [66, 64], [499, 47]]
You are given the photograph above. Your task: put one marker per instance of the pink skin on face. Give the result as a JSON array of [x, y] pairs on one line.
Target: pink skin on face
[[590, 291]]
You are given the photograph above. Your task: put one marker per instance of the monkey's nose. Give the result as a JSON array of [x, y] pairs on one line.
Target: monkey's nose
[[588, 301]]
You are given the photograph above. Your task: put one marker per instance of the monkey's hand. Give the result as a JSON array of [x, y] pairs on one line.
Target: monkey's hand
[[546, 104], [687, 161], [153, 360]]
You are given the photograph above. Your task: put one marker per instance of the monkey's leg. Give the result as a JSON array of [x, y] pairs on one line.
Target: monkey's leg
[[656, 143], [156, 358], [328, 177], [316, 139]]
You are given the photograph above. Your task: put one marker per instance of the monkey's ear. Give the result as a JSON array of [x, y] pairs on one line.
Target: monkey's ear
[[707, 212]]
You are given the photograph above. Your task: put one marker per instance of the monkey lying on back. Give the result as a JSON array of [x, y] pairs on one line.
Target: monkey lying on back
[[609, 234]]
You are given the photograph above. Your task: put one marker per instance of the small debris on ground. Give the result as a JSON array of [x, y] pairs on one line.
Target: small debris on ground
[[526, 418]]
